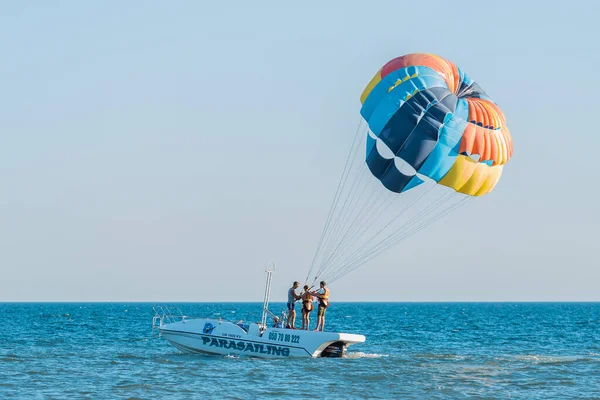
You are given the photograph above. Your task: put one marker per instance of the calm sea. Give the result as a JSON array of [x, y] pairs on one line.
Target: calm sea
[[413, 351]]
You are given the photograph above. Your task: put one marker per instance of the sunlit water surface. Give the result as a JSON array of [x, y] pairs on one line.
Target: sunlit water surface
[[413, 350]]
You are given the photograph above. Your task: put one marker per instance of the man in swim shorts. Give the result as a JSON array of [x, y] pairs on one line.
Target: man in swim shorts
[[291, 305]]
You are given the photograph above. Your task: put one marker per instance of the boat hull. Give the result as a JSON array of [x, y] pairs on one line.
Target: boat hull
[[211, 336]]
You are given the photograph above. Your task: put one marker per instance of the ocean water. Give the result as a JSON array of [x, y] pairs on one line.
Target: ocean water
[[413, 351]]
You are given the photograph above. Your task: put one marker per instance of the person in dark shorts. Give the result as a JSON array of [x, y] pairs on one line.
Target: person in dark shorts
[[323, 297], [291, 305]]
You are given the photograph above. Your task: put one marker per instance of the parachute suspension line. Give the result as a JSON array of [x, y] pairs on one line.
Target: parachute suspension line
[[341, 261], [363, 219], [336, 261], [340, 219], [355, 257], [343, 178], [353, 202], [363, 254], [359, 206], [404, 235], [352, 230], [346, 212], [398, 239]]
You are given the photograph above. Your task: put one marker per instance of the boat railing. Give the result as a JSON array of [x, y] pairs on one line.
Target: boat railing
[[166, 315]]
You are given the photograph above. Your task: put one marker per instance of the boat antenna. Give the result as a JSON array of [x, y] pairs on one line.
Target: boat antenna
[[270, 270]]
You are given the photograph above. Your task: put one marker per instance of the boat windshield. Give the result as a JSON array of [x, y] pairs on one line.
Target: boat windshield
[[243, 326]]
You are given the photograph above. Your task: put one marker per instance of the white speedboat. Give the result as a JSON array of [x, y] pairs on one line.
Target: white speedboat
[[256, 339]]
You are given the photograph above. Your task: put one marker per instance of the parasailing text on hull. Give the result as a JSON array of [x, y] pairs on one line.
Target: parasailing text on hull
[[247, 347]]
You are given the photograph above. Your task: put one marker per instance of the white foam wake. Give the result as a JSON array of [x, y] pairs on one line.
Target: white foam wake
[[360, 354]]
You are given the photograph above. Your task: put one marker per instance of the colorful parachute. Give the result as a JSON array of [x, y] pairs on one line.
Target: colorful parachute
[[428, 125], [427, 116]]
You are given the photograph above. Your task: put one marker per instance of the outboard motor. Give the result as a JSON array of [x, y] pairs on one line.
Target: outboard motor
[[334, 350]]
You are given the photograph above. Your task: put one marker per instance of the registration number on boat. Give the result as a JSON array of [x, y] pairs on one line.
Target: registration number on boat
[[231, 335], [284, 337]]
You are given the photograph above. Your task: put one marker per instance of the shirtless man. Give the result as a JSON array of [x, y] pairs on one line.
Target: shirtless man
[[291, 305]]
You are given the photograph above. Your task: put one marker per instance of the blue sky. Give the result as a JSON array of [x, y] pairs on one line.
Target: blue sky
[[160, 151]]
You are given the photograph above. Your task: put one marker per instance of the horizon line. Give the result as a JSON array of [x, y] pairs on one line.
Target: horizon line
[[283, 301]]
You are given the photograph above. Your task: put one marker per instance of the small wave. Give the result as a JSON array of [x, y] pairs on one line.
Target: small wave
[[360, 354], [37, 372], [12, 358], [433, 356], [552, 360], [129, 356], [162, 360], [129, 386]]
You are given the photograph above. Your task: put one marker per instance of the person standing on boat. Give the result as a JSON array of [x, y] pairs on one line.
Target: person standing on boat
[[307, 307], [291, 305], [323, 296]]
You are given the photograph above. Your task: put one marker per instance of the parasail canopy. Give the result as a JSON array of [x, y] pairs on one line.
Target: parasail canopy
[[425, 124], [427, 115]]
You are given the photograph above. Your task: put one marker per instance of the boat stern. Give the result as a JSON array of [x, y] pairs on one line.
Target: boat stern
[[337, 346]]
